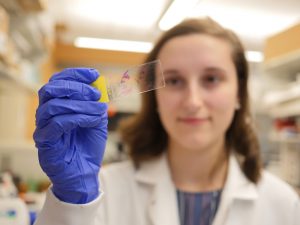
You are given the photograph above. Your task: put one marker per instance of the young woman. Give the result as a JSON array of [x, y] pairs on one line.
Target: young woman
[[194, 158]]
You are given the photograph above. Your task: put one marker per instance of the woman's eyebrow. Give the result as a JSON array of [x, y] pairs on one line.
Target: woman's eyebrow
[[208, 69], [215, 69], [171, 72]]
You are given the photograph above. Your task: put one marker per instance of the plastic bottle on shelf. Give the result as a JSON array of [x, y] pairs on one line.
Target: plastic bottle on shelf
[[13, 210]]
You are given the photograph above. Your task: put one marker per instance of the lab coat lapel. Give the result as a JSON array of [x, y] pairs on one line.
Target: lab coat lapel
[[236, 205], [162, 207], [238, 198]]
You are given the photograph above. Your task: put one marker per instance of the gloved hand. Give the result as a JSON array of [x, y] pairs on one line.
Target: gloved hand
[[71, 133]]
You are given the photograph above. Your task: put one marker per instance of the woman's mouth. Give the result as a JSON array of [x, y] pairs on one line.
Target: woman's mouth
[[193, 120]]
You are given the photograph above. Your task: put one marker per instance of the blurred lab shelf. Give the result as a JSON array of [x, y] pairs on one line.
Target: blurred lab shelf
[[288, 93], [284, 102], [282, 53], [16, 146], [293, 139], [284, 66], [297, 190], [16, 80], [287, 109]]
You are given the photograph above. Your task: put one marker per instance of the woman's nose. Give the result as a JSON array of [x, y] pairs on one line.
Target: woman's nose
[[193, 97]]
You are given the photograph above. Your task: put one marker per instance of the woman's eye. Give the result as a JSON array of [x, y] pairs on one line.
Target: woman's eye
[[211, 79], [173, 82]]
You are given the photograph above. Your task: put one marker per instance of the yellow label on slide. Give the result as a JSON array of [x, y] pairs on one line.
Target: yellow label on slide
[[100, 84]]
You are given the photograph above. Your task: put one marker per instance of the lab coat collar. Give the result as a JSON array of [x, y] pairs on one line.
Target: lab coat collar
[[163, 207], [237, 188], [237, 184], [163, 201], [150, 172]]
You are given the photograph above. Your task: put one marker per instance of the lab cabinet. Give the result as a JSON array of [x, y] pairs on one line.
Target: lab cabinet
[[282, 69], [282, 100]]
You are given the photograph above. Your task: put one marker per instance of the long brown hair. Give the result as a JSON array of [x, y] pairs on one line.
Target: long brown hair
[[144, 134]]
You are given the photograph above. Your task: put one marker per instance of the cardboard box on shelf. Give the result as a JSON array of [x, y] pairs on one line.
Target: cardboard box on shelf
[[4, 21], [4, 24], [3, 48], [12, 56], [8, 53], [9, 56], [13, 107], [33, 6]]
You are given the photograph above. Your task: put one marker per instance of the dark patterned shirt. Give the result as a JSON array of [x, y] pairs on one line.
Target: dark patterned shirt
[[197, 208]]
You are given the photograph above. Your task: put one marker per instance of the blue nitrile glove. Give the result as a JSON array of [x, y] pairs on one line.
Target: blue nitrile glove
[[71, 133]]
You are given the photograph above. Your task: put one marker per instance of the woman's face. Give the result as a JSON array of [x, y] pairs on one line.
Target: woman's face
[[198, 103]]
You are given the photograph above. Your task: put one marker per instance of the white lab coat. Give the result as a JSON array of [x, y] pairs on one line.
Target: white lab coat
[[148, 197]]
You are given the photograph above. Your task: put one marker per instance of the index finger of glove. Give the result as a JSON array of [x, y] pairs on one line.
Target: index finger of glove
[[55, 107], [68, 89], [83, 75], [64, 124]]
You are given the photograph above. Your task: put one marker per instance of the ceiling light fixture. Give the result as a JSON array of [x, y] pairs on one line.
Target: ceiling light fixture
[[138, 46], [254, 56], [252, 23], [112, 44], [177, 11]]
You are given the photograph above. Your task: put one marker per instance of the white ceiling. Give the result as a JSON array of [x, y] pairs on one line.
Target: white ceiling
[[253, 20]]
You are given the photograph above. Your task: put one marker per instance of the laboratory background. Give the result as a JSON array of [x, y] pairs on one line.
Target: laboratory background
[[40, 37]]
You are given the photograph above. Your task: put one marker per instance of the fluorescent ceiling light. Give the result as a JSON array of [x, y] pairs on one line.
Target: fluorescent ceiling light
[[254, 56], [137, 46], [178, 10], [250, 23], [110, 44], [130, 13]]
